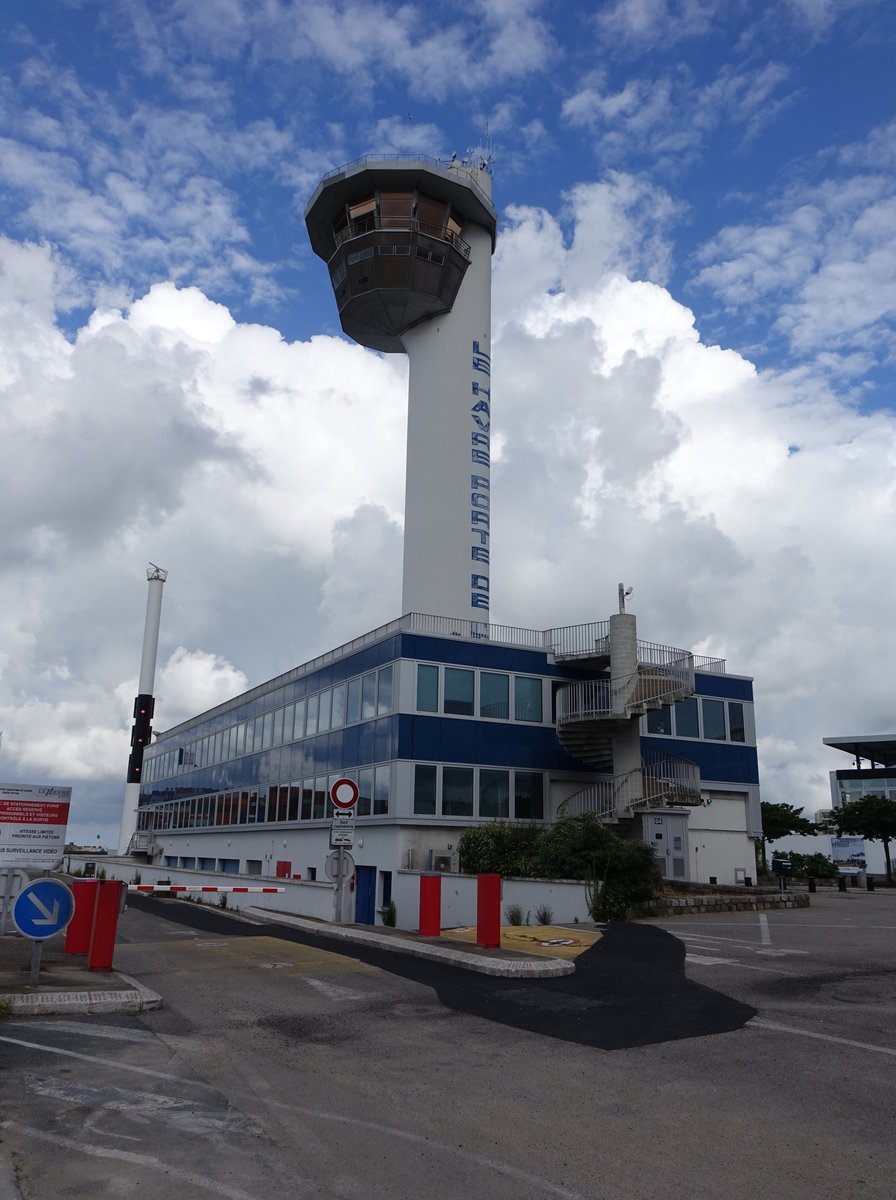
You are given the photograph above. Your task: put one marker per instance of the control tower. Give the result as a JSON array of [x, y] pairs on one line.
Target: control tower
[[408, 242]]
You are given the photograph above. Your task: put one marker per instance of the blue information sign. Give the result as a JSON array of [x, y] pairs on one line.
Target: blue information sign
[[43, 908]]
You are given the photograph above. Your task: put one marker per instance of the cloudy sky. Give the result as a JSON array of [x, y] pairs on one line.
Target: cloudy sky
[[693, 376]]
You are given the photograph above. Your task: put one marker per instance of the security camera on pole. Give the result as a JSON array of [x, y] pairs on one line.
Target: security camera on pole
[[340, 865]]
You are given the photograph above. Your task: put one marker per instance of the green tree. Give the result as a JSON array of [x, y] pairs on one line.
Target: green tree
[[871, 817], [779, 820]]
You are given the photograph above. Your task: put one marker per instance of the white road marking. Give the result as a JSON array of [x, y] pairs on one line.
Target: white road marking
[[705, 961], [140, 1160], [108, 1062], [88, 1029], [533, 1181], [764, 935], [333, 991], [761, 1023], [185, 1115]]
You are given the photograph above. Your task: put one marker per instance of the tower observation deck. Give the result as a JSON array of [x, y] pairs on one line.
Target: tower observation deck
[[408, 243]]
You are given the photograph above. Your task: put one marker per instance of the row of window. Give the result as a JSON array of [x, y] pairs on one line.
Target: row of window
[[466, 693], [305, 801], [360, 699], [699, 717], [484, 792]]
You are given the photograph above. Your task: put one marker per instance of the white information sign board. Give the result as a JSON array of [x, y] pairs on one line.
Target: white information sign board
[[33, 823]]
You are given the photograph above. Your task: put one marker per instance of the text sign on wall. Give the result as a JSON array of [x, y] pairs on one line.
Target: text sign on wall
[[33, 822]]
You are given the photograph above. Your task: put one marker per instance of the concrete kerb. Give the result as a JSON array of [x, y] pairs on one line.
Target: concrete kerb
[[133, 999], [516, 967]]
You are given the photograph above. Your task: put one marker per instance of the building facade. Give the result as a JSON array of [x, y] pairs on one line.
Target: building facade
[[443, 729]]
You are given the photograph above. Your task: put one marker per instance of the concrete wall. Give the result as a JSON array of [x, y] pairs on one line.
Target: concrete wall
[[565, 898]]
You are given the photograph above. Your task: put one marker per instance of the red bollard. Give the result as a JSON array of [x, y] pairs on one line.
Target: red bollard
[[77, 933], [111, 892], [488, 911], [430, 905]]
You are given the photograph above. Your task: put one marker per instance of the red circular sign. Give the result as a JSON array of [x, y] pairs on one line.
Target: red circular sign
[[344, 793]]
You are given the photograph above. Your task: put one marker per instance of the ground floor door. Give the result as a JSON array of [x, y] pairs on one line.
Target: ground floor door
[[365, 895], [668, 834]]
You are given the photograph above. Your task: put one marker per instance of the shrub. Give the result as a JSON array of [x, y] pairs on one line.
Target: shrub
[[390, 914], [544, 914], [580, 847], [500, 848], [513, 914], [817, 865]]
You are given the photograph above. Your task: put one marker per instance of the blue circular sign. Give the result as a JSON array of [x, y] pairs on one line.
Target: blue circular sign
[[43, 908]]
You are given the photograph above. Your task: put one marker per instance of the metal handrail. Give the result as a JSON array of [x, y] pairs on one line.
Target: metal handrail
[[374, 223], [665, 779], [578, 641]]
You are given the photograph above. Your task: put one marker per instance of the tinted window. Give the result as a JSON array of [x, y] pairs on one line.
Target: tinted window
[[458, 692], [494, 793], [714, 720], [457, 791], [528, 796], [686, 718], [526, 698], [424, 790], [494, 696], [736, 727], [427, 688]]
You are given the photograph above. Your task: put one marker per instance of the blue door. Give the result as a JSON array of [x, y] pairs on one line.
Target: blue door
[[365, 895]]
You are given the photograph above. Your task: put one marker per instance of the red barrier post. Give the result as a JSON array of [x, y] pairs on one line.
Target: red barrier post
[[105, 924], [77, 933], [430, 905], [488, 911]]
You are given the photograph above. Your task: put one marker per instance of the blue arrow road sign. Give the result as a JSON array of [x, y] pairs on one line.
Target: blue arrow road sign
[[43, 908]]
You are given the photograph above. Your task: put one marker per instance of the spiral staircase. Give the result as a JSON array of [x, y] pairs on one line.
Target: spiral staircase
[[598, 720]]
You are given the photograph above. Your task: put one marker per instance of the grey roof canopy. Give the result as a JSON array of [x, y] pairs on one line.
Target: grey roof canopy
[[876, 747]]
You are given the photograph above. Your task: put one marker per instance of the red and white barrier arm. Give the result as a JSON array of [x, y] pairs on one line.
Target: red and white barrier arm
[[181, 887]]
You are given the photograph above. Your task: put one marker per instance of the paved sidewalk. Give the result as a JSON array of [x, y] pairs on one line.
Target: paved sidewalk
[[66, 985], [466, 956]]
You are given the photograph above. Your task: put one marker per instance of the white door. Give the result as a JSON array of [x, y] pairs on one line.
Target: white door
[[668, 834]]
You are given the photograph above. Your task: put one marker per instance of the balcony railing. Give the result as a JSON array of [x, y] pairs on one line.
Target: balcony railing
[[666, 780], [374, 223]]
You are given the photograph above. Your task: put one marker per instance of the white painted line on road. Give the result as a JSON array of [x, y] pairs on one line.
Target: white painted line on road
[[108, 1062], [333, 991], [702, 961], [140, 1160], [533, 1181], [761, 1023], [88, 1029], [764, 935]]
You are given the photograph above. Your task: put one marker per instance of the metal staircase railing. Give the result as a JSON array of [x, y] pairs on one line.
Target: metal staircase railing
[[666, 780]]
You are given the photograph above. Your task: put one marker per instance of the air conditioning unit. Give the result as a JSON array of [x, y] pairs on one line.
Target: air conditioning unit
[[439, 861]]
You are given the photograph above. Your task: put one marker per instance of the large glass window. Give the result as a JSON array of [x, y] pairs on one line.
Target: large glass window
[[307, 800], [365, 791], [736, 727], [686, 724], [323, 711], [353, 702], [267, 737], [427, 688], [459, 692], [368, 696], [714, 720], [494, 696], [528, 796], [660, 721], [311, 716], [384, 690], [320, 797], [526, 698], [425, 790], [494, 793], [457, 791], [298, 728], [278, 727], [382, 779], [338, 715]]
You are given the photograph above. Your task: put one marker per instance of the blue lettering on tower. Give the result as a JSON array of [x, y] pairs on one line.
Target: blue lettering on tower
[[481, 415]]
